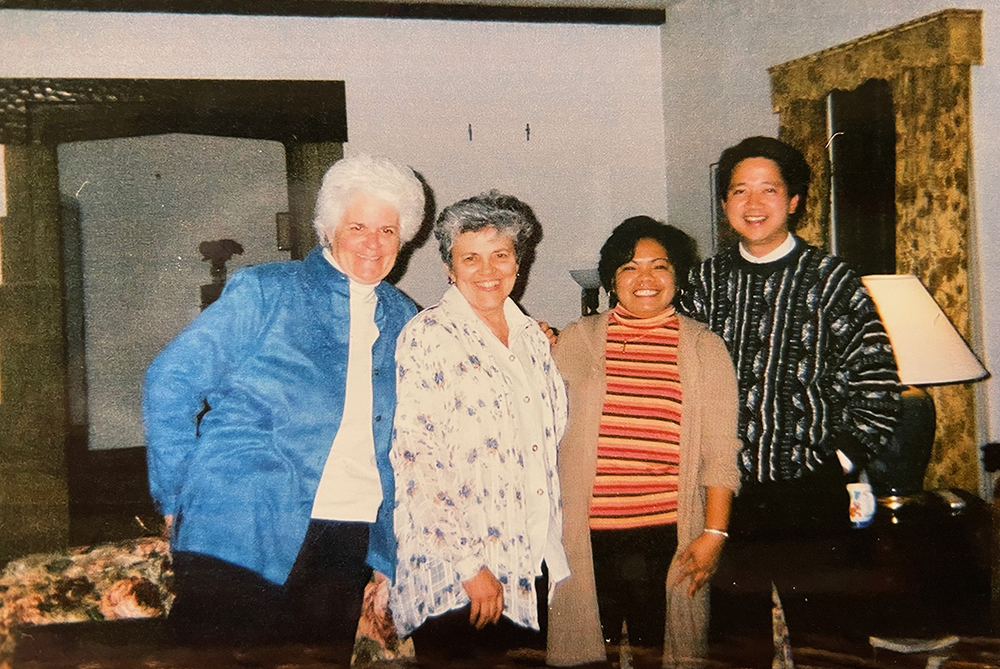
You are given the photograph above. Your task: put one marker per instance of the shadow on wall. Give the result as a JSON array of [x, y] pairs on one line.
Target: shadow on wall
[[426, 227]]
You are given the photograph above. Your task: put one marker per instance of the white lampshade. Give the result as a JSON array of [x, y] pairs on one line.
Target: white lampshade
[[928, 348]]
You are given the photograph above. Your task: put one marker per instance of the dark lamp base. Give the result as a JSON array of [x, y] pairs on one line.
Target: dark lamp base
[[899, 471]]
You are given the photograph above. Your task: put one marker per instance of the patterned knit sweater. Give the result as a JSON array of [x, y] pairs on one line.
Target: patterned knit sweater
[[814, 366]]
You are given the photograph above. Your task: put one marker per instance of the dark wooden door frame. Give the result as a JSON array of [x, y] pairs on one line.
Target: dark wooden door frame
[[383, 9], [300, 114], [64, 110], [106, 490]]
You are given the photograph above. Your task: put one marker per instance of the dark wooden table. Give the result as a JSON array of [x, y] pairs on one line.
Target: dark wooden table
[[919, 570]]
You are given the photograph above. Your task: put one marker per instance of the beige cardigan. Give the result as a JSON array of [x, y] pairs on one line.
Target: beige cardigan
[[709, 446]]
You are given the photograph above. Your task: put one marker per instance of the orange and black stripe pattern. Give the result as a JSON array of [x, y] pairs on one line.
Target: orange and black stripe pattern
[[638, 451]]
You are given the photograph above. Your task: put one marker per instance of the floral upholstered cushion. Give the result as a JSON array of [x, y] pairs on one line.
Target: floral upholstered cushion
[[377, 641], [134, 579], [131, 579]]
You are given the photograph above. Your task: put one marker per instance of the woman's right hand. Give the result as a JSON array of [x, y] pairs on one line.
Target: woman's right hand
[[486, 595], [550, 332]]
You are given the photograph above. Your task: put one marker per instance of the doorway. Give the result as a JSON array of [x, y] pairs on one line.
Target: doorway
[[55, 475], [863, 177]]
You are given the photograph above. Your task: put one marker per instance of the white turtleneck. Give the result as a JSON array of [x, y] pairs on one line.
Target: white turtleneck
[[349, 488]]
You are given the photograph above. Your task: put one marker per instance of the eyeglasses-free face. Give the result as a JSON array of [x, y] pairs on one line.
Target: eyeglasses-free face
[[757, 205]]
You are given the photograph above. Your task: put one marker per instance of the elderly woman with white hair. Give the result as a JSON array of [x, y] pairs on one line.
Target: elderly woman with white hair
[[279, 497], [480, 411]]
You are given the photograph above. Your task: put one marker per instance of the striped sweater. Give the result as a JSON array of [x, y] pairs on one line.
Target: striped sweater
[[638, 451], [815, 370]]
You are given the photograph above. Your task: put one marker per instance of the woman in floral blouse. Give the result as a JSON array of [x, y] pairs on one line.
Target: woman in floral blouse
[[480, 410]]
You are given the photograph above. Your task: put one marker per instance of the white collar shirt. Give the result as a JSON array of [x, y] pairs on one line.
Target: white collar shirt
[[783, 250]]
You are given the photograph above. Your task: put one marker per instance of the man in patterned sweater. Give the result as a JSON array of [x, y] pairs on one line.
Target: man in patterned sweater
[[818, 388]]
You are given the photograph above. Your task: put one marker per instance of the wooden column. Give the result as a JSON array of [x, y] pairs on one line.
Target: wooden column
[[306, 164], [34, 507]]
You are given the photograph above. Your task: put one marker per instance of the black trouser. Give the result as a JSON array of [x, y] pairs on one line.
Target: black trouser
[[630, 571], [805, 524], [448, 640], [815, 505], [320, 602]]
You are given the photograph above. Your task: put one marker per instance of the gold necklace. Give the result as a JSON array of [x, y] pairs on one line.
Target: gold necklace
[[634, 341]]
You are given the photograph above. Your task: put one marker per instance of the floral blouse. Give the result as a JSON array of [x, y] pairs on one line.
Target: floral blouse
[[460, 466]]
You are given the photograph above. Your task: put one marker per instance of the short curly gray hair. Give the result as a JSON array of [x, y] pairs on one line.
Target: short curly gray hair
[[508, 215], [373, 176]]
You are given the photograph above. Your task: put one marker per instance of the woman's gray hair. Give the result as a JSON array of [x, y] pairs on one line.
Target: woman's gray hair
[[377, 177], [508, 215]]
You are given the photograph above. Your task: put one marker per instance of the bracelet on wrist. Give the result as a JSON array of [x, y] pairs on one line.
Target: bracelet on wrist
[[712, 530]]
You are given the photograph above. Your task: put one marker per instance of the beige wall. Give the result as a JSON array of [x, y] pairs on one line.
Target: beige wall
[[592, 95]]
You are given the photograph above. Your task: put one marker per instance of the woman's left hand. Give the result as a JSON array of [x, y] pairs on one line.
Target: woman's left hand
[[699, 561]]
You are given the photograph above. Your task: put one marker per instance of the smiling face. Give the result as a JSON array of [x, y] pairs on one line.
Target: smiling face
[[366, 241], [757, 205], [484, 269], [646, 284]]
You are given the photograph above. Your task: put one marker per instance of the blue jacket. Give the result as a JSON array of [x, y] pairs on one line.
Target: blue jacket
[[270, 359]]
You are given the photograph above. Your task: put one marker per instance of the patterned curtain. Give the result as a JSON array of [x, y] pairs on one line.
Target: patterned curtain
[[927, 62]]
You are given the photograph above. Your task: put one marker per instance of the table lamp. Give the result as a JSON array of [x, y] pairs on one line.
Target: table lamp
[[590, 289], [929, 351]]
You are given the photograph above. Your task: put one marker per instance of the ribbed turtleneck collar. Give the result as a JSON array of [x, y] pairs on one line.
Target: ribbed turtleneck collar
[[625, 317]]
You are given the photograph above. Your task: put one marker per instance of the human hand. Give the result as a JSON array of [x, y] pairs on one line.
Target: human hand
[[699, 561], [550, 332], [168, 524], [486, 595]]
